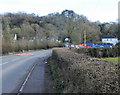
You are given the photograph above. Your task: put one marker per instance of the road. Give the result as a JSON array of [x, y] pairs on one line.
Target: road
[[16, 67]]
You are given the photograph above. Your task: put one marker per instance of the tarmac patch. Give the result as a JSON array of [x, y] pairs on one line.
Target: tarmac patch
[[24, 54]]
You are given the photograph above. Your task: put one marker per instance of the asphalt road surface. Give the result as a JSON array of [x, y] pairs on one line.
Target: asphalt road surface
[[16, 67]]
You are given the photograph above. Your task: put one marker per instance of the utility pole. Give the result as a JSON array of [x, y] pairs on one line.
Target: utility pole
[[85, 37]]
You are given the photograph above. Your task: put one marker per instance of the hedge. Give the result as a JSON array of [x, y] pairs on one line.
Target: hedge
[[99, 52], [79, 73]]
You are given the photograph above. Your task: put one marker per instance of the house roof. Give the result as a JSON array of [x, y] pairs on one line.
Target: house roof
[[109, 37]]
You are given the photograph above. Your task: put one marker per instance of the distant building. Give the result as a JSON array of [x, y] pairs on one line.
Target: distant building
[[110, 39], [15, 37], [67, 39]]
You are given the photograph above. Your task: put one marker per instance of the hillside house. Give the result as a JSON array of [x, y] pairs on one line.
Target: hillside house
[[110, 39]]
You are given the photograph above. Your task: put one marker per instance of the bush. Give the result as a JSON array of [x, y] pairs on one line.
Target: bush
[[99, 52]]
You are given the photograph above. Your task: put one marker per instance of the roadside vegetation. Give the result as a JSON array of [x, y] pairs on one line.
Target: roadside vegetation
[[58, 81], [80, 73], [9, 47], [109, 54], [99, 52]]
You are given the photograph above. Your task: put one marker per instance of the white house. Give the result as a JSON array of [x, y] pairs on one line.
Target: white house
[[110, 39]]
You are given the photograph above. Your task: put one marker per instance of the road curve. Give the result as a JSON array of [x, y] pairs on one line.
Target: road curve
[[16, 67]]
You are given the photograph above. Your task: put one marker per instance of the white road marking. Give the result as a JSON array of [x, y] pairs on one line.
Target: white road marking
[[4, 63], [29, 74]]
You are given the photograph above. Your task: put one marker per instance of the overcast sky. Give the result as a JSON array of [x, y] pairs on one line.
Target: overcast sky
[[102, 10]]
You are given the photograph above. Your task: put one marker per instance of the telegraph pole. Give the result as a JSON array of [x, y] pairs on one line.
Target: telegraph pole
[[85, 37]]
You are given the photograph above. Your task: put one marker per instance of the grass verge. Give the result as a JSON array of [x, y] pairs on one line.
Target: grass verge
[[112, 59], [56, 76]]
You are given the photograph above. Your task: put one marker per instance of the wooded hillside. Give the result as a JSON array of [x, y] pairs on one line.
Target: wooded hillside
[[54, 27]]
